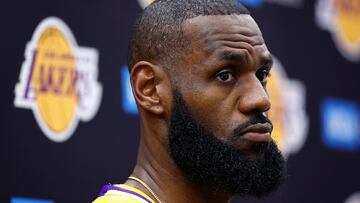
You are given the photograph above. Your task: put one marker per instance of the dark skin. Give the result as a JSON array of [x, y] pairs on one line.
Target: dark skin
[[223, 81]]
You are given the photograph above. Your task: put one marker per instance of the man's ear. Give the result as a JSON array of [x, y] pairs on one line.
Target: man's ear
[[148, 82]]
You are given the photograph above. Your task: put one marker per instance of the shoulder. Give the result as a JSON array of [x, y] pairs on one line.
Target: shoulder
[[122, 193], [116, 198]]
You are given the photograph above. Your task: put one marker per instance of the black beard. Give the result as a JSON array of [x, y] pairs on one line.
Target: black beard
[[218, 166]]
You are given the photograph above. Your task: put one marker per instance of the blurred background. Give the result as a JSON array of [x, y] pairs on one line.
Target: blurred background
[[81, 131]]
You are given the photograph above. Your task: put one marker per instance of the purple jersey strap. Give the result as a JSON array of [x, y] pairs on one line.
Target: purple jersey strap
[[108, 187]]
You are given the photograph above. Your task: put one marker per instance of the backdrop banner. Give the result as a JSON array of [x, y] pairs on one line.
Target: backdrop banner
[[69, 123]]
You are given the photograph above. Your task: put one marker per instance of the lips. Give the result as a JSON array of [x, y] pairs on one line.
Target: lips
[[260, 132]]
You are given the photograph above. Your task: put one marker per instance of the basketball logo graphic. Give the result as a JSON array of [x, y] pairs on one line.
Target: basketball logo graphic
[[287, 110], [342, 19], [58, 80]]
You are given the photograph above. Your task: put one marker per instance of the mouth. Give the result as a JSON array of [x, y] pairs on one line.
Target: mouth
[[260, 132]]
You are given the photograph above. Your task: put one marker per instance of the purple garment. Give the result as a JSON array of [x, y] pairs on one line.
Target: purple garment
[[108, 187]]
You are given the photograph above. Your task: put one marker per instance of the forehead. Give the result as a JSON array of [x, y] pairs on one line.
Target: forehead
[[234, 35], [218, 23]]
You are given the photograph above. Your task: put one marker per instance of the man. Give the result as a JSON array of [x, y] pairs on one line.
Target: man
[[198, 72]]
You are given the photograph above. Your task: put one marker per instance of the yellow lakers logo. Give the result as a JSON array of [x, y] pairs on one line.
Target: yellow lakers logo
[[58, 80], [342, 19], [277, 112], [287, 111], [54, 80]]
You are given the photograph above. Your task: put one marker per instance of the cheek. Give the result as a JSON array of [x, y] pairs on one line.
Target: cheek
[[212, 109]]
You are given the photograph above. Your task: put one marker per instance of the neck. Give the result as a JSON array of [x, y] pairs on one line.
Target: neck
[[157, 169]]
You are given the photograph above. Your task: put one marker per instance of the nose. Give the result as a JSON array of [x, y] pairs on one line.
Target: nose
[[254, 98]]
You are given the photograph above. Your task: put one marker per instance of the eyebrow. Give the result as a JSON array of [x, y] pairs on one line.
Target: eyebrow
[[234, 56], [231, 56]]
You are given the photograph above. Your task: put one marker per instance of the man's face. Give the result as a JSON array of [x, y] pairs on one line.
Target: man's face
[[223, 77], [219, 132]]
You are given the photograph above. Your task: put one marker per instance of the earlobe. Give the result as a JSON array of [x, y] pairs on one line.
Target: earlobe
[[145, 79]]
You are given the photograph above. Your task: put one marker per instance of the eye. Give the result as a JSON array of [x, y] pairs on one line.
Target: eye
[[226, 76], [263, 75]]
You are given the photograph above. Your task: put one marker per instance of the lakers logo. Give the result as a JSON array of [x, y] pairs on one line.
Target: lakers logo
[[342, 19], [58, 80], [144, 3], [287, 111]]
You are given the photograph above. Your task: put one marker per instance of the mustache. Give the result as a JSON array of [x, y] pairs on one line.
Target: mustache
[[258, 119]]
